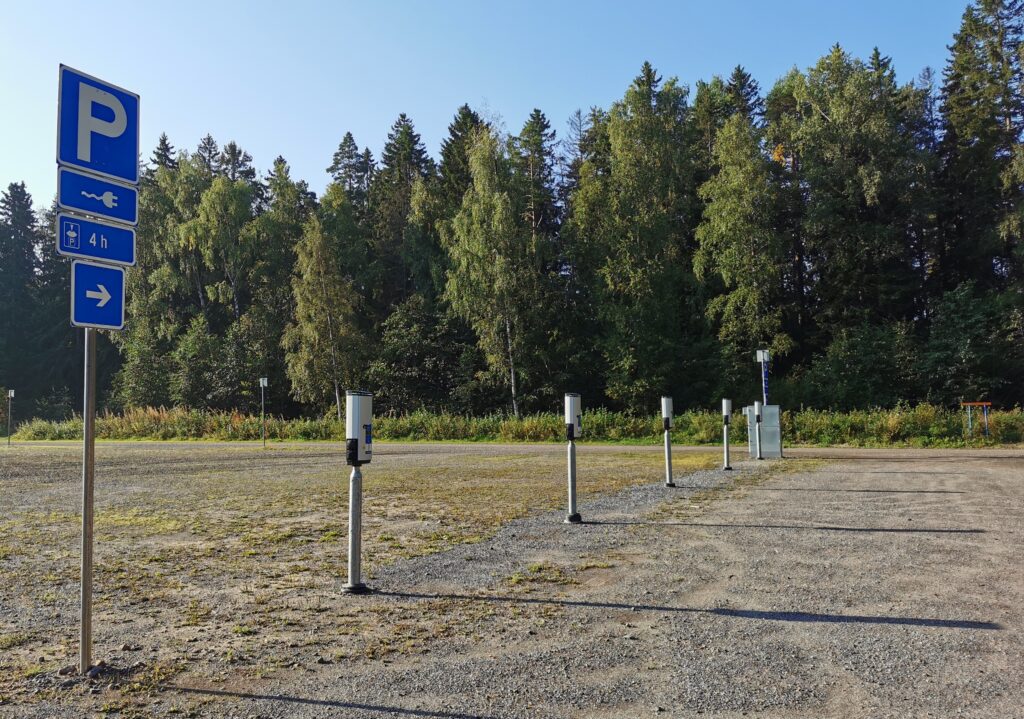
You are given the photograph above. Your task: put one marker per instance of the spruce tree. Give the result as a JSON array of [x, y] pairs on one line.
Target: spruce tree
[[208, 153], [982, 108], [745, 95], [163, 155], [403, 162]]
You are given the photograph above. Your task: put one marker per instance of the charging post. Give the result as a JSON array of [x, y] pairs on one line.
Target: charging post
[[667, 422], [573, 430], [726, 418], [757, 429], [358, 451], [263, 412]]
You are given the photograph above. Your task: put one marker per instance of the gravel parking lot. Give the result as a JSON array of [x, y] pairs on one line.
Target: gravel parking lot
[[845, 583]]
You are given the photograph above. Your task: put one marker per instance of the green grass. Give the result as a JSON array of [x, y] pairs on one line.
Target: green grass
[[921, 426]]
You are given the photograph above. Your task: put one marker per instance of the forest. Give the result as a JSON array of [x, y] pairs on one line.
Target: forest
[[870, 233]]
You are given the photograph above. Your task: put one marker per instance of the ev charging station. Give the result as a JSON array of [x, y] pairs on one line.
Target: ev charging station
[[764, 431], [667, 422], [263, 411], [726, 418], [358, 451], [10, 403], [573, 431]]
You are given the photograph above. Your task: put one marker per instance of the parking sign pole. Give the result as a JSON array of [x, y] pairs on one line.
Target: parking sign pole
[[88, 474], [263, 417], [10, 402]]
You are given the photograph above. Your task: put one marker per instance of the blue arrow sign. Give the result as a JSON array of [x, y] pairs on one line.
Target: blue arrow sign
[[97, 197], [97, 126], [91, 239], [97, 296]]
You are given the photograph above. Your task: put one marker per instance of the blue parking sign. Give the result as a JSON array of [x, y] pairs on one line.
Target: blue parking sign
[[97, 296], [97, 126]]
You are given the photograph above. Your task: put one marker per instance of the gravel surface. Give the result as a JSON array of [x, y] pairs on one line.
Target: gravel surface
[[875, 588], [882, 584]]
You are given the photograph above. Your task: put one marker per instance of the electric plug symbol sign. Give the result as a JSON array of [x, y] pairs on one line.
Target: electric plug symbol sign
[[108, 198]]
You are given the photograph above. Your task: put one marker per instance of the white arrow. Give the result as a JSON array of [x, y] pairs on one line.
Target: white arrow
[[103, 296]]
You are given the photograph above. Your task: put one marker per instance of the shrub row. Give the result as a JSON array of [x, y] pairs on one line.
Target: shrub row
[[922, 426]]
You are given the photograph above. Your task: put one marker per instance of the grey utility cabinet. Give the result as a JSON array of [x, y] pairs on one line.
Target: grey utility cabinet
[[771, 430]]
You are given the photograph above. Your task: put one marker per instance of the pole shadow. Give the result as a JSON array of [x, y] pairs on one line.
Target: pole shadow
[[325, 703], [736, 613], [816, 528], [855, 491]]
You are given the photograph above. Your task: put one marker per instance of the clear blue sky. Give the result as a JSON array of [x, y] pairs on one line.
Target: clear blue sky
[[289, 78]]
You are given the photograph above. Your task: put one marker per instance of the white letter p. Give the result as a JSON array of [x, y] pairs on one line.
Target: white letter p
[[88, 124]]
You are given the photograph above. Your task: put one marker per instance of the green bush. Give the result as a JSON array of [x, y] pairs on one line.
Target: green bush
[[921, 426]]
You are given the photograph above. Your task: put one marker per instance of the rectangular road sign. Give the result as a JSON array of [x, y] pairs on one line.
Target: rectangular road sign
[[97, 126], [97, 296], [95, 240], [97, 197]]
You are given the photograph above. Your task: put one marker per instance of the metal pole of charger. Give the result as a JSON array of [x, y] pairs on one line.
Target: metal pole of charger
[[725, 444], [668, 459], [263, 417], [574, 516], [757, 434], [355, 533], [88, 474]]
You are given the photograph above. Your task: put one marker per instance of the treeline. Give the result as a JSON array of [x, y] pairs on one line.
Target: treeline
[[868, 232]]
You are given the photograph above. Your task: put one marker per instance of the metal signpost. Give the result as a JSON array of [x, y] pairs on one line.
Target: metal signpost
[[667, 422], [263, 415], [573, 430], [97, 183], [10, 402], [763, 358]]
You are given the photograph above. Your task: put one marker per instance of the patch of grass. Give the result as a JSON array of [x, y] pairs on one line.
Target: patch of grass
[[593, 564], [143, 523], [540, 573], [6, 551], [14, 639], [196, 613], [243, 630], [270, 536]]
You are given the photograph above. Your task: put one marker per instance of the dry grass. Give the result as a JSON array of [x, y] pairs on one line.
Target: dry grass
[[218, 557]]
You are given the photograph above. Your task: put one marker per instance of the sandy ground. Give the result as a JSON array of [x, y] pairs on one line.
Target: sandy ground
[[840, 583]]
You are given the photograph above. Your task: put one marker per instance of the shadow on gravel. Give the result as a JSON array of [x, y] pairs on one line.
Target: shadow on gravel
[[738, 613], [899, 530], [857, 491], [325, 703]]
